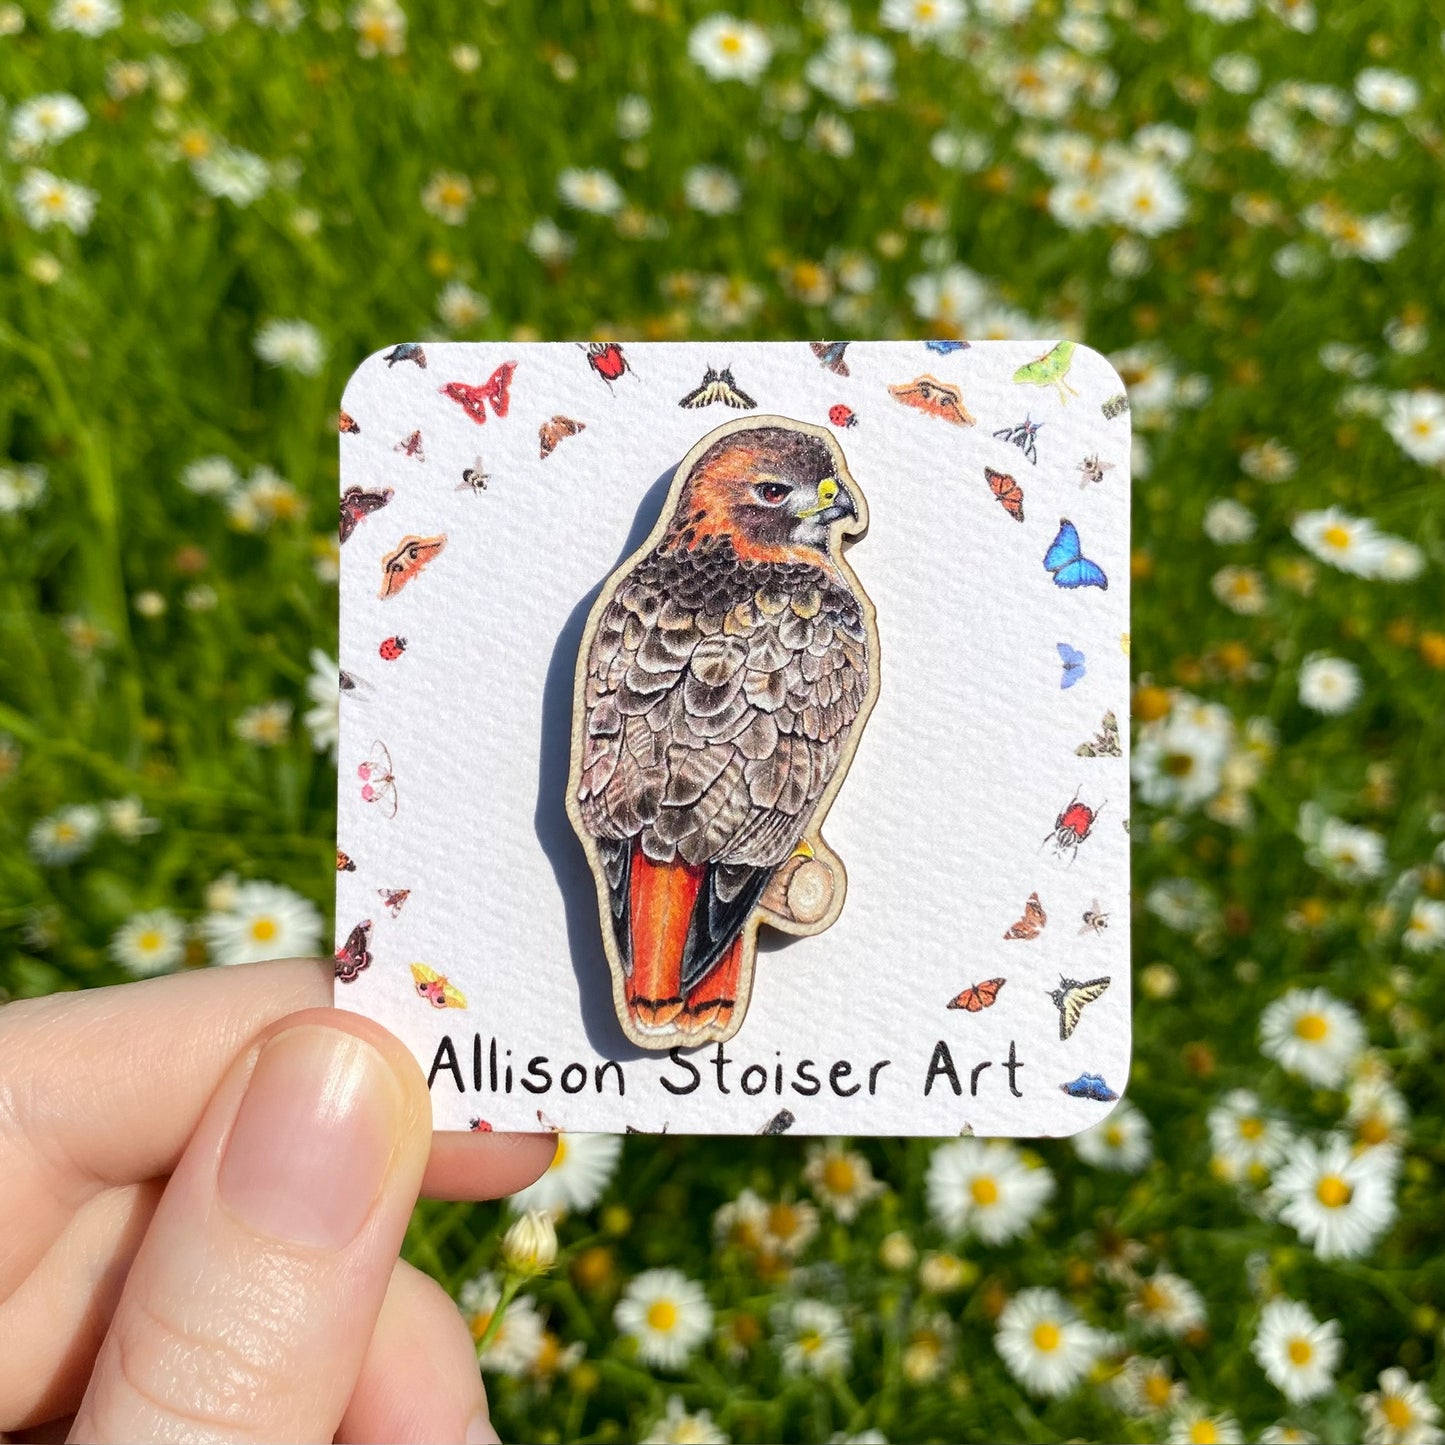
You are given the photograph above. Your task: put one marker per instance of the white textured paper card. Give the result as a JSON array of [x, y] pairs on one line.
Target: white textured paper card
[[733, 736]]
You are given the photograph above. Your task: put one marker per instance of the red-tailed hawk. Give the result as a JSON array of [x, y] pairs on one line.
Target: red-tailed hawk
[[724, 678]]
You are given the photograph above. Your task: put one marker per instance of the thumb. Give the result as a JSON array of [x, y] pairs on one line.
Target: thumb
[[249, 1307]]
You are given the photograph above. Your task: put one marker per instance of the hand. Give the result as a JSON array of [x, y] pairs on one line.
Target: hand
[[203, 1194]]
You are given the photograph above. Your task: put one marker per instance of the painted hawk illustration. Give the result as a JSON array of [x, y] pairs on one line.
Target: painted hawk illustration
[[731, 664]]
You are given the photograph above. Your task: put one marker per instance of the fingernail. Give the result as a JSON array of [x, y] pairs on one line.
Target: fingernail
[[313, 1138], [480, 1432]]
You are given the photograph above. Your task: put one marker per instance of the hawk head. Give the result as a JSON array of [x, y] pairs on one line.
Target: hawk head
[[773, 492]]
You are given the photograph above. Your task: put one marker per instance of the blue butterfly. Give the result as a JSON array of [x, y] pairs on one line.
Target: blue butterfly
[[1089, 1086], [1066, 560], [1073, 661], [946, 348]]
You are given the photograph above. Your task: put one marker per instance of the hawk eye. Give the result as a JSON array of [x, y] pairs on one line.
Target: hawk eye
[[773, 492]]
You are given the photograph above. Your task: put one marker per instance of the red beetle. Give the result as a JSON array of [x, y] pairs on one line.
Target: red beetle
[[607, 360], [479, 1126], [1072, 826], [841, 415], [392, 648]]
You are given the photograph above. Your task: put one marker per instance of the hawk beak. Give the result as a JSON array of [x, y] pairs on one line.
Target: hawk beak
[[834, 502]]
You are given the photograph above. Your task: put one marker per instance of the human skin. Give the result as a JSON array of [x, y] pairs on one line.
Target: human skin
[[204, 1184]]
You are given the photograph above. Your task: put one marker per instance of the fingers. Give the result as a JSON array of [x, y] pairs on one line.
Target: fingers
[[420, 1382], [485, 1166], [249, 1309]]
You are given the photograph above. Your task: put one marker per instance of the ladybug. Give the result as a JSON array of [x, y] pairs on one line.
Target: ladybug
[[1072, 826], [392, 648], [607, 360], [479, 1126], [840, 415]]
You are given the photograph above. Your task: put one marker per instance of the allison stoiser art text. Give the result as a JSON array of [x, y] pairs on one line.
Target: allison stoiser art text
[[485, 1066]]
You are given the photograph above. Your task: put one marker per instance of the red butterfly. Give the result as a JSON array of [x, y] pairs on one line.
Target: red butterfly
[[1032, 923], [494, 389], [354, 954], [980, 996], [1007, 491], [554, 431], [394, 898]]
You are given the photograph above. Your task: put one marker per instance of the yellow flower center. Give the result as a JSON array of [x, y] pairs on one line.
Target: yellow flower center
[[984, 1190], [731, 43], [839, 1176], [1397, 1412], [810, 1342], [1421, 427], [1204, 1432], [452, 193], [560, 1155], [1334, 1192], [1301, 1352], [1311, 1027], [1337, 537], [1157, 1390], [263, 930], [1373, 1130], [1152, 1297], [149, 941], [479, 1323], [1178, 765], [1114, 1136], [66, 832], [662, 1315], [1251, 1127], [375, 29], [1047, 1337], [783, 1220]]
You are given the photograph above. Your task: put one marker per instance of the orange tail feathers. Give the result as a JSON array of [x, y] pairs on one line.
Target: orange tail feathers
[[712, 1001], [660, 909]]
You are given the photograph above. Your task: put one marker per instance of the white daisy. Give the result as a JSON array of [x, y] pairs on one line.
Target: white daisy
[[1121, 1141], [86, 17], [380, 27], [1149, 376], [1194, 1425], [1400, 561], [1270, 460], [853, 70], [1043, 86], [1236, 73], [549, 243], [232, 174], [789, 1227], [922, 20], [264, 920], [447, 196], [985, 1186], [1386, 91], [1179, 759], [1143, 196], [1400, 1412], [1346, 852], [949, 296], [811, 1338], [1310, 1033], [323, 717], [1337, 1200], [580, 1170], [266, 497], [678, 1427], [1145, 1387], [634, 117], [461, 308], [21, 487], [1283, 1433], [267, 725], [1227, 521], [211, 477], [1329, 684], [590, 190], [712, 190], [1349, 543], [667, 1314], [45, 120], [127, 819], [1245, 1139], [518, 1342], [832, 135], [1376, 1110], [1166, 1303], [294, 345], [1077, 204], [149, 943], [1241, 589], [1416, 420], [1047, 1348], [742, 1223], [49, 201], [729, 49], [1425, 927], [1297, 1352], [65, 835], [841, 1178]]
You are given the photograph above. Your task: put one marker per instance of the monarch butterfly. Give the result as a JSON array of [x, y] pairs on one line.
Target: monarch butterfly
[[411, 554], [718, 386], [980, 996], [355, 954], [830, 353], [937, 398], [378, 782], [358, 504], [1008, 491], [1070, 997], [473, 399], [1032, 923], [552, 432], [435, 989]]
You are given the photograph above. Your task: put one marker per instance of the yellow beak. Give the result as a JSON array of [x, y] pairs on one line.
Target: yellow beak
[[827, 495]]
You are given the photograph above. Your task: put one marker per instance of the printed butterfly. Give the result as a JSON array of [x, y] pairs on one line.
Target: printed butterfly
[[473, 399], [357, 504], [1065, 559], [410, 556], [1089, 1086], [474, 479], [946, 348], [393, 898], [355, 954], [553, 432], [1093, 470], [830, 353], [607, 360], [1073, 661], [378, 782], [406, 351], [1007, 491], [1050, 369], [936, 398], [345, 422], [1032, 923], [1105, 744], [1095, 920], [344, 863], [718, 386], [435, 989], [1070, 997], [980, 996], [1023, 436], [411, 446]]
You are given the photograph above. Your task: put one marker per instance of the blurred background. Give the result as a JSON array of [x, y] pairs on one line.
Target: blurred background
[[210, 214]]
